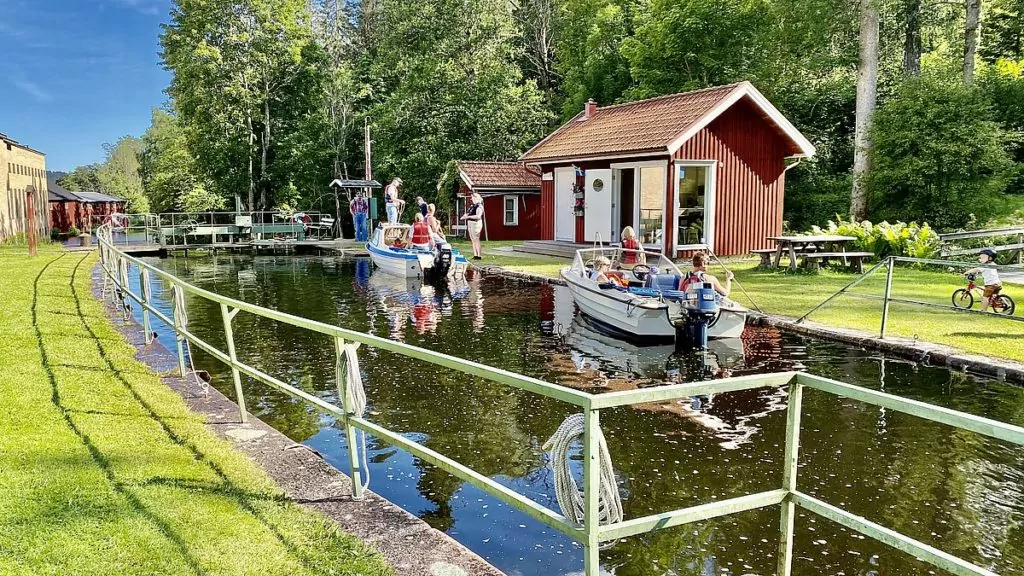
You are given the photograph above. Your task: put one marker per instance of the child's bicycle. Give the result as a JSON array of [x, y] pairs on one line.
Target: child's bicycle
[[964, 298]]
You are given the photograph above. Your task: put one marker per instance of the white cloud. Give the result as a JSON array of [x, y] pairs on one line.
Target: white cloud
[[31, 88]]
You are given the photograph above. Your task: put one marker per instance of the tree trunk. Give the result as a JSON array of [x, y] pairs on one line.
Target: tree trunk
[[912, 40], [867, 79], [264, 180], [971, 38], [252, 182]]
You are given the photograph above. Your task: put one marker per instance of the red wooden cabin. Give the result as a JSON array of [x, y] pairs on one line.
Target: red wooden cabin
[[511, 193], [82, 210], [702, 167]]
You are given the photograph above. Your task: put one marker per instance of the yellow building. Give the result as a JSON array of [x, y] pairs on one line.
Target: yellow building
[[22, 168]]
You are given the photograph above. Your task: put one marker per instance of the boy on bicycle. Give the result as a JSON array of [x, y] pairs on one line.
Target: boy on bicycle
[[989, 275]]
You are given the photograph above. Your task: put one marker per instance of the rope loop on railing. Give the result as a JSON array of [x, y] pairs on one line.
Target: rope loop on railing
[[179, 306], [570, 497], [355, 399], [122, 291], [181, 323]]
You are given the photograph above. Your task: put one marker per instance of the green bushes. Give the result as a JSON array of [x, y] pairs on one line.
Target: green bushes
[[884, 239]]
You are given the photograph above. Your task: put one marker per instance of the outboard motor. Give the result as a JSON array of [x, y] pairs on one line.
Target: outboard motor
[[443, 260], [701, 307]]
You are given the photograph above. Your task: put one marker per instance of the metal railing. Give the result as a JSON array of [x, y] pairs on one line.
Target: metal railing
[[116, 267], [1016, 232], [184, 229], [887, 297]]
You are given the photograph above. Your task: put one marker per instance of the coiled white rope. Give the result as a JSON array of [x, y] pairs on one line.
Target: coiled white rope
[[568, 493], [178, 294], [355, 398]]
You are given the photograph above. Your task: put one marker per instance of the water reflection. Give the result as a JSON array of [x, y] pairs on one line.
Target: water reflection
[[950, 489]]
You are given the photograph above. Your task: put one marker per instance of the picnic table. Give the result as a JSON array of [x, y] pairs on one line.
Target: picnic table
[[795, 246]]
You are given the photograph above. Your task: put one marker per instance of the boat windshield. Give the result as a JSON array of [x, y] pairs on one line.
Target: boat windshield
[[393, 233], [621, 259]]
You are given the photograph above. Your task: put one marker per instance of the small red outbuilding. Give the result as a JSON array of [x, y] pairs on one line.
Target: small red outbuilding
[[511, 193], [702, 167]]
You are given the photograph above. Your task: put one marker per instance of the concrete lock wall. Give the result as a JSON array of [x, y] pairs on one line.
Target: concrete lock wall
[[20, 168]]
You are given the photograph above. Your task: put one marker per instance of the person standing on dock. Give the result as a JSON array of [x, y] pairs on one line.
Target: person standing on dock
[[474, 218], [359, 209], [392, 202], [422, 204]]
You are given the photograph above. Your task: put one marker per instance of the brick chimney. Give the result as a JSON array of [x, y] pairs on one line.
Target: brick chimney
[[589, 109]]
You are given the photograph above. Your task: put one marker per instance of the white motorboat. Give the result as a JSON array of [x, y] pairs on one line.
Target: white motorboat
[[392, 251], [650, 309]]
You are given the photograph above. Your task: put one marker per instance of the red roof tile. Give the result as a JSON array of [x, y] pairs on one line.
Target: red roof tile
[[511, 175], [648, 126]]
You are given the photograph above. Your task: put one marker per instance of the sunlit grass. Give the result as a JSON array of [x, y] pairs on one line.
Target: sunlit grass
[[104, 470]]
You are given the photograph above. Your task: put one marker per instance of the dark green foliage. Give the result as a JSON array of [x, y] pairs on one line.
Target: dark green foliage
[[938, 155], [81, 179]]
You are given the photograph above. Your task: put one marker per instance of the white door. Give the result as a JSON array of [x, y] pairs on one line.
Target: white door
[[597, 216], [565, 220]]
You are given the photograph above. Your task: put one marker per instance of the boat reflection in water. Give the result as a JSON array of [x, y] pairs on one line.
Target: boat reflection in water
[[603, 363], [410, 300]]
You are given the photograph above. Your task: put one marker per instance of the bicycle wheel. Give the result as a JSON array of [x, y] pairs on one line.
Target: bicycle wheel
[[1003, 304], [963, 298]]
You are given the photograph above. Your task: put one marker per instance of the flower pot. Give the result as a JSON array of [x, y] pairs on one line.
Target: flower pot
[[85, 240]]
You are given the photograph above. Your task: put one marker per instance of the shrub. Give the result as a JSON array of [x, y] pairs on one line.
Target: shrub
[[884, 239], [938, 154], [74, 231]]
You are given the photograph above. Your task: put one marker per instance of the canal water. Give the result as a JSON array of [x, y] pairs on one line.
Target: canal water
[[953, 489]]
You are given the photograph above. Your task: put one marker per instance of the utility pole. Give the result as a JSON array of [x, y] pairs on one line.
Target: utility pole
[[367, 145]]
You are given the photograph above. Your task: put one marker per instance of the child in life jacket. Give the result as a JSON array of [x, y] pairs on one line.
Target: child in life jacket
[[603, 273], [700, 274], [629, 242]]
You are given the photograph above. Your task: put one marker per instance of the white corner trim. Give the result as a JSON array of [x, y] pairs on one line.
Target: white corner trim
[[466, 179], [745, 89]]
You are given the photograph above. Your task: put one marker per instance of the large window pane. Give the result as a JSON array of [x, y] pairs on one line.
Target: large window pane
[[692, 202], [652, 204]]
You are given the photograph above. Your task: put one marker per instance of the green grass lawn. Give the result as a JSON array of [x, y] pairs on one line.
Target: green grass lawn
[[519, 262], [793, 294], [104, 470]]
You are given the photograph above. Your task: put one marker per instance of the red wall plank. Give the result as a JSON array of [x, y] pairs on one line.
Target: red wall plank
[[547, 206], [749, 180], [529, 227]]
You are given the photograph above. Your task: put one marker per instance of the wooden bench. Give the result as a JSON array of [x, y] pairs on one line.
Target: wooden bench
[[854, 260], [767, 255]]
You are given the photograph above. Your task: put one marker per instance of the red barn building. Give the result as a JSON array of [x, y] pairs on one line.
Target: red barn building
[[702, 167], [511, 193]]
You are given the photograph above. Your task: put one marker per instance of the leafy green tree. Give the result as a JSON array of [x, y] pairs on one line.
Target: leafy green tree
[[233, 63], [81, 179], [119, 175], [451, 88], [938, 155], [169, 173], [1003, 84], [589, 52], [687, 44]]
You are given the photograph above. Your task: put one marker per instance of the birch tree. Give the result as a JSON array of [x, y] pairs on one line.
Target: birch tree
[[867, 81]]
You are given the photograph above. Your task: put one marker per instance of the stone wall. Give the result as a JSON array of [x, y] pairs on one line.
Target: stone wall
[[20, 168]]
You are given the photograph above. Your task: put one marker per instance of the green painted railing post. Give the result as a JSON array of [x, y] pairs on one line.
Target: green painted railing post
[[591, 492], [789, 472], [179, 326], [341, 378], [144, 279], [888, 294], [228, 315]]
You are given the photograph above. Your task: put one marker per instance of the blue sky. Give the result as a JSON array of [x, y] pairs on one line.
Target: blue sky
[[77, 73]]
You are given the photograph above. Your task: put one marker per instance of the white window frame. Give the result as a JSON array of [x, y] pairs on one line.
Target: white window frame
[[710, 192], [515, 210]]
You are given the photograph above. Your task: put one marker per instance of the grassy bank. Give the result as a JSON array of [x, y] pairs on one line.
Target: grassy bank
[[104, 470], [793, 294]]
